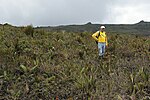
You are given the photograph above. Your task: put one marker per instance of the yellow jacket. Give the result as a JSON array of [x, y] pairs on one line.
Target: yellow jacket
[[102, 37]]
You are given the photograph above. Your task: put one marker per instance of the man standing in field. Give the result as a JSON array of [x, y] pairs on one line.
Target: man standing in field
[[101, 39]]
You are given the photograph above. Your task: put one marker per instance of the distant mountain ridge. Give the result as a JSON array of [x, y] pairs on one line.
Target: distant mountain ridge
[[141, 28]]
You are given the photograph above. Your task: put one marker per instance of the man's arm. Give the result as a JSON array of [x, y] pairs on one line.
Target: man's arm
[[95, 36], [106, 41]]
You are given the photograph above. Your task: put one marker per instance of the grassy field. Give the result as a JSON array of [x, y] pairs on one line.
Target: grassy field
[[48, 65]]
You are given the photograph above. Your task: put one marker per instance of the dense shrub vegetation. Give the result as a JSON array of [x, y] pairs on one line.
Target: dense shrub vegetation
[[44, 65]]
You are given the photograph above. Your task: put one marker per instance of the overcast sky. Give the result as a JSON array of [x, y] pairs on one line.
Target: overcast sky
[[65, 12]]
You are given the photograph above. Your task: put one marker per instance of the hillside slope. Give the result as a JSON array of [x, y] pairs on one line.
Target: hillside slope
[[65, 65], [141, 28]]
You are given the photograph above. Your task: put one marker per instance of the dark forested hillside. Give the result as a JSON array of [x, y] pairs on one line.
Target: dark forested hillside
[[141, 28], [51, 64]]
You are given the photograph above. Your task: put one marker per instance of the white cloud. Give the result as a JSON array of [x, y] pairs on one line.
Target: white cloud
[[56, 12], [128, 12]]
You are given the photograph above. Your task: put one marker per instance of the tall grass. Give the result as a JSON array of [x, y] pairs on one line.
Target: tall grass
[[51, 65]]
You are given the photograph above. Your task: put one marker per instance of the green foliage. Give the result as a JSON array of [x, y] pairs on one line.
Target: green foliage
[[29, 30], [65, 65]]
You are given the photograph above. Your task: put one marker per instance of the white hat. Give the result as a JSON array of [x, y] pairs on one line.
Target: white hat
[[102, 27]]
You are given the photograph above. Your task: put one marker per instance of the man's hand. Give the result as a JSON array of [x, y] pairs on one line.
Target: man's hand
[[106, 46]]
